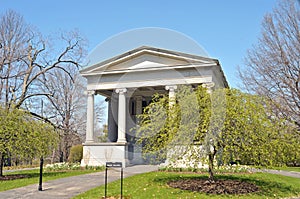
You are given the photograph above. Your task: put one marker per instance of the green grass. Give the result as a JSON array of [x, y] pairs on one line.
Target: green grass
[[33, 177], [153, 185]]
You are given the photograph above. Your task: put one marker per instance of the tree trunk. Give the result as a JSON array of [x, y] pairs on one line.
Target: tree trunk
[[211, 167], [1, 164], [53, 156]]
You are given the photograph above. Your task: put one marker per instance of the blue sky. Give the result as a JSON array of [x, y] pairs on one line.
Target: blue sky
[[225, 29]]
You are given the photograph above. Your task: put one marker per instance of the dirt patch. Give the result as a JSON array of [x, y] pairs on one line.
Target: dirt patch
[[216, 187], [12, 177]]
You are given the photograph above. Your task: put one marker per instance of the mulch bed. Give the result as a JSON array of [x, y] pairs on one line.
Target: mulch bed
[[216, 187], [12, 177]]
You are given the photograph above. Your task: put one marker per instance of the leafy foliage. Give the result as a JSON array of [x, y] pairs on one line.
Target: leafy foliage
[[24, 136], [226, 124], [76, 153]]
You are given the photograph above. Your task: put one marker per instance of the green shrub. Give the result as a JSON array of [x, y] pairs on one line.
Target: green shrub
[[76, 153]]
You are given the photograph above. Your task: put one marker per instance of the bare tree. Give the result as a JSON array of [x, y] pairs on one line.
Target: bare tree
[[27, 58], [272, 66], [66, 107], [14, 35], [40, 74]]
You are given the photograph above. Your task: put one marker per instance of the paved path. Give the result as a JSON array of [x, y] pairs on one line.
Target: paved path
[[293, 174], [72, 186], [281, 172]]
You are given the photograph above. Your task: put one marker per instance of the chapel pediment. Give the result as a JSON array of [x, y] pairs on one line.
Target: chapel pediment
[[146, 58]]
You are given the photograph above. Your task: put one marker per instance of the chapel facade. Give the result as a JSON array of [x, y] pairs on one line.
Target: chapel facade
[[128, 81]]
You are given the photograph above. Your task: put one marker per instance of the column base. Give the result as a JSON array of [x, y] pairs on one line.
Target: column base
[[121, 141]]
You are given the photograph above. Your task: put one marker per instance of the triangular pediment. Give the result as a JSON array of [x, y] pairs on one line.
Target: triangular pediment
[[147, 64], [146, 58]]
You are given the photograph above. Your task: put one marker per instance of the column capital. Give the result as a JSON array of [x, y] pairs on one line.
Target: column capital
[[172, 97], [171, 87], [121, 90], [90, 92]]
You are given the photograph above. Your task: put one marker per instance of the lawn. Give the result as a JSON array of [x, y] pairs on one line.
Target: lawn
[[154, 185], [32, 177]]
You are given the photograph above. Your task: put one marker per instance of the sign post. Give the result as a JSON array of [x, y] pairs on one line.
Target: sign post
[[40, 188], [113, 165]]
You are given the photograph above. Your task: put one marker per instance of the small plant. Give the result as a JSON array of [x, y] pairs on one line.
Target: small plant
[[76, 153], [94, 167]]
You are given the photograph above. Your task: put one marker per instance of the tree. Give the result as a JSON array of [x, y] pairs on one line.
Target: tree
[[27, 58], [30, 63], [24, 136], [272, 66], [66, 108], [254, 134], [224, 125]]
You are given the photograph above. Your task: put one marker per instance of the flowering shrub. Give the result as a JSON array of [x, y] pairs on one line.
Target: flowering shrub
[[233, 169], [63, 166], [220, 169]]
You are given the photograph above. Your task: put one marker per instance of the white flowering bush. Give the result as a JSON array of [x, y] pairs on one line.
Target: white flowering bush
[[64, 166], [233, 169], [220, 169]]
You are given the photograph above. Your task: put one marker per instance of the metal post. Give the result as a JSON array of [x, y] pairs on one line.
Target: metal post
[[42, 159], [105, 195], [41, 174], [121, 182]]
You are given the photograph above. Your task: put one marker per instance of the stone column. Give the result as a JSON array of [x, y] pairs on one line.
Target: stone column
[[111, 124], [90, 117], [138, 105], [172, 97], [138, 158], [122, 115]]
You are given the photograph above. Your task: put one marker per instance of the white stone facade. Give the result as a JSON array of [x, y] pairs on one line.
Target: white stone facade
[[129, 82]]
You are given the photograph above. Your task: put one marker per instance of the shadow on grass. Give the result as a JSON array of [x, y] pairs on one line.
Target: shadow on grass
[[267, 186], [30, 174]]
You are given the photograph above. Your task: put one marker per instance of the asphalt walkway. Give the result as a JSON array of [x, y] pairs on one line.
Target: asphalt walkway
[[284, 173], [72, 186]]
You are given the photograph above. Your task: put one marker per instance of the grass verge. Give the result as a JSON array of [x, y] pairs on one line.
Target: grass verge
[[154, 185], [32, 177]]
